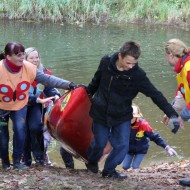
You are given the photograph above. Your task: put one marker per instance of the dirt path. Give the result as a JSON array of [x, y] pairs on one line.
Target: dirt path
[[156, 177]]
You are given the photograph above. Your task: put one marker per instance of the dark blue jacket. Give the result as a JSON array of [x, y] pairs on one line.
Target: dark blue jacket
[[141, 134]]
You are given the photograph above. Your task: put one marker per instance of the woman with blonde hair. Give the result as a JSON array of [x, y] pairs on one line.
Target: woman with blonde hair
[[40, 97], [178, 57]]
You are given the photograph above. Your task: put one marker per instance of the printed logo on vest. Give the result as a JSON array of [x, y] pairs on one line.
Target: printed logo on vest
[[18, 94]]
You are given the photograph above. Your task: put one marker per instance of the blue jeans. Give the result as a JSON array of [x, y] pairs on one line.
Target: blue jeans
[[4, 139], [34, 133], [19, 125], [132, 160], [185, 114], [66, 156], [118, 136]]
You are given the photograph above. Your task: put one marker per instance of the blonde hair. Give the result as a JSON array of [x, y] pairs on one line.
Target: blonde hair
[[136, 111], [176, 47], [30, 50]]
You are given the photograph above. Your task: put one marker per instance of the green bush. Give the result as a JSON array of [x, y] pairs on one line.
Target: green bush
[[77, 11]]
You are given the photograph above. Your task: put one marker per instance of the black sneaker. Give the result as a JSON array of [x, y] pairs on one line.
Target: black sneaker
[[6, 165], [115, 175], [28, 162], [185, 182], [93, 167], [39, 161]]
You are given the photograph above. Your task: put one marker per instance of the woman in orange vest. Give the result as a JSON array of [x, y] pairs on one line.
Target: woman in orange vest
[[16, 76]]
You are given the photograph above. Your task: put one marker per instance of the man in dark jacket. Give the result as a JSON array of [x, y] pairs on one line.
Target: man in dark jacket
[[115, 84]]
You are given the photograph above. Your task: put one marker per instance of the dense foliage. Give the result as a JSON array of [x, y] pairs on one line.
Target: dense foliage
[[76, 11]]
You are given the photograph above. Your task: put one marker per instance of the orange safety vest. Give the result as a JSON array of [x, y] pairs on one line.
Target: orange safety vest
[[14, 87]]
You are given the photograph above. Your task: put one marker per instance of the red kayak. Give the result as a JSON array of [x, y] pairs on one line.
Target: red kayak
[[69, 122]]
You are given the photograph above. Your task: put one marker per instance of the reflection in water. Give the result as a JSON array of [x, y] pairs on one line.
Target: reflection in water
[[74, 52]]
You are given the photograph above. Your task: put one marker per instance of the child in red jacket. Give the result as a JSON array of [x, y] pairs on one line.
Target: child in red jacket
[[141, 134]]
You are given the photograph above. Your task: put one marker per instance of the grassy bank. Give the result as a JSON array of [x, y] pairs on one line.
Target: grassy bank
[[98, 11]]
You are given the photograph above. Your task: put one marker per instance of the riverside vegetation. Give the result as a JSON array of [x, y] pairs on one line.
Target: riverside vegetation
[[97, 11]]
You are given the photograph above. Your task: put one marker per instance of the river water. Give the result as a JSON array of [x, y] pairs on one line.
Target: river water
[[73, 52]]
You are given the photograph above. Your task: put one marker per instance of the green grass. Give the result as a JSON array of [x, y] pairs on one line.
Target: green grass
[[97, 11]]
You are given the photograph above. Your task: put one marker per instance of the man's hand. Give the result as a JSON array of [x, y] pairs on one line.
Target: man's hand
[[174, 124], [165, 119]]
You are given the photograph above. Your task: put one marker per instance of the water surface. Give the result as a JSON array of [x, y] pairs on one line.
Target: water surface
[[73, 52]]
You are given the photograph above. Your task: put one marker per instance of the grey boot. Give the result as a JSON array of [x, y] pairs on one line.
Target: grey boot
[[18, 165]]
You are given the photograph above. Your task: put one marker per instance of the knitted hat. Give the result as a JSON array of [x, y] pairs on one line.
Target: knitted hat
[[136, 111]]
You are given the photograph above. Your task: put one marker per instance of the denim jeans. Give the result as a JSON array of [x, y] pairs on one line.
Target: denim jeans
[[185, 114], [118, 136], [19, 125], [132, 160], [66, 156], [4, 138], [34, 133], [19, 131]]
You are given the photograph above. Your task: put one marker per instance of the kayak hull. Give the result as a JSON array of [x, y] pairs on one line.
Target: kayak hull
[[69, 122]]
